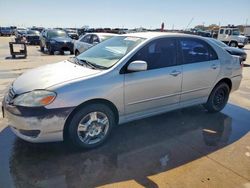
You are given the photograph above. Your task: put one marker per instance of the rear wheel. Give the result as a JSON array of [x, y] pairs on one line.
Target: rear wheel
[[41, 48], [91, 125], [77, 53], [233, 44], [218, 98]]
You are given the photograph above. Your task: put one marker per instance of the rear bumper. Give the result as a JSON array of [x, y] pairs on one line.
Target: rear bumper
[[36, 124], [236, 80]]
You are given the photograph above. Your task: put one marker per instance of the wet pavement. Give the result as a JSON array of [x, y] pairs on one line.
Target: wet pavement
[[183, 148], [134, 151]]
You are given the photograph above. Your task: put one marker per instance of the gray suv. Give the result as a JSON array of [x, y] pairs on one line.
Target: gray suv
[[124, 78]]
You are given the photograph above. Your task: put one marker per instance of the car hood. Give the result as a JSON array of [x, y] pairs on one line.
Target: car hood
[[62, 39], [235, 51], [50, 75], [242, 37]]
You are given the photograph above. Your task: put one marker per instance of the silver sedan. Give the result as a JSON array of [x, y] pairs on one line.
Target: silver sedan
[[122, 79], [88, 40]]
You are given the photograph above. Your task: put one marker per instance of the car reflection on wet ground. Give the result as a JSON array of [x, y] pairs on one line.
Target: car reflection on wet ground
[[135, 150]]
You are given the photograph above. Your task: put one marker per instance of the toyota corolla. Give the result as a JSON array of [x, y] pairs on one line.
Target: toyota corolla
[[124, 78]]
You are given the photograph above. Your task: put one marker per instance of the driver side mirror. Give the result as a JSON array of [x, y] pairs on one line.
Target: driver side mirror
[[137, 66]]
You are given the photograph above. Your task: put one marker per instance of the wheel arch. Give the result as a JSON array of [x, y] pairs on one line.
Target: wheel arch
[[225, 80], [92, 101]]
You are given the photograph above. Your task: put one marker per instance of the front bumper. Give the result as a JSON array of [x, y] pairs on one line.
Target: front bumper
[[60, 46], [36, 124]]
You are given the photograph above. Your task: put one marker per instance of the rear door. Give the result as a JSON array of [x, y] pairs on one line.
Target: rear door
[[200, 68], [160, 85]]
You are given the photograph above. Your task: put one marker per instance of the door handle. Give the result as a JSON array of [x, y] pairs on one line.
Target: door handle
[[175, 73], [214, 66]]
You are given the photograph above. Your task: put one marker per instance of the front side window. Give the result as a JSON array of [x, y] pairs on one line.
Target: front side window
[[194, 51], [158, 54], [221, 31], [86, 38], [108, 53]]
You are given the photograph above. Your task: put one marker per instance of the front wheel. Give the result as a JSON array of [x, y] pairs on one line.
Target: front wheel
[[218, 98], [50, 50], [91, 125]]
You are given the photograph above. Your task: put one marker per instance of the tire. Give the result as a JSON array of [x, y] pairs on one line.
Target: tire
[[71, 52], [89, 133], [51, 52], [241, 46], [62, 52], [233, 44], [218, 98], [77, 53], [41, 48]]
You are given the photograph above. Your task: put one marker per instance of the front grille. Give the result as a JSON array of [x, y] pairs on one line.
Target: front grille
[[33, 37]]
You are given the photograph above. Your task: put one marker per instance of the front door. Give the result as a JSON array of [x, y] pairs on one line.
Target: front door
[[158, 86]]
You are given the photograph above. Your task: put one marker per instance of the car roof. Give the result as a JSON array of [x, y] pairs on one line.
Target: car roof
[[149, 35], [104, 34]]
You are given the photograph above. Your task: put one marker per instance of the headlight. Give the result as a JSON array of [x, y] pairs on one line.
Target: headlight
[[35, 98]]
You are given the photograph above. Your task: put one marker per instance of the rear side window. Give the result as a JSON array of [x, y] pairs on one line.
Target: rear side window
[[159, 53], [227, 32], [221, 31], [194, 51], [95, 39]]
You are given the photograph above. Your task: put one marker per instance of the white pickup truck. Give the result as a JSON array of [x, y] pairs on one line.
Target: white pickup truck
[[232, 37]]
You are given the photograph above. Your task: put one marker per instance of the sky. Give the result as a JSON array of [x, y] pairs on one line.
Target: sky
[[126, 13]]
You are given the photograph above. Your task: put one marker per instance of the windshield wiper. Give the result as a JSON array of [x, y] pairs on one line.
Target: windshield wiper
[[93, 65], [85, 62], [75, 60]]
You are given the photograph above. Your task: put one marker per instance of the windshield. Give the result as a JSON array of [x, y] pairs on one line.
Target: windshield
[[236, 32], [59, 33], [219, 43], [5, 28], [109, 52], [33, 32], [105, 37], [22, 31]]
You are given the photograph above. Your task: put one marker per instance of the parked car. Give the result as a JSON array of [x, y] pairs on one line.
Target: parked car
[[72, 34], [232, 50], [20, 32], [33, 37], [87, 41], [5, 31], [231, 36], [56, 40], [125, 78], [247, 32]]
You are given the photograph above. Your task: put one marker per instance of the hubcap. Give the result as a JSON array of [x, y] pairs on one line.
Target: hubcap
[[219, 98], [93, 127]]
